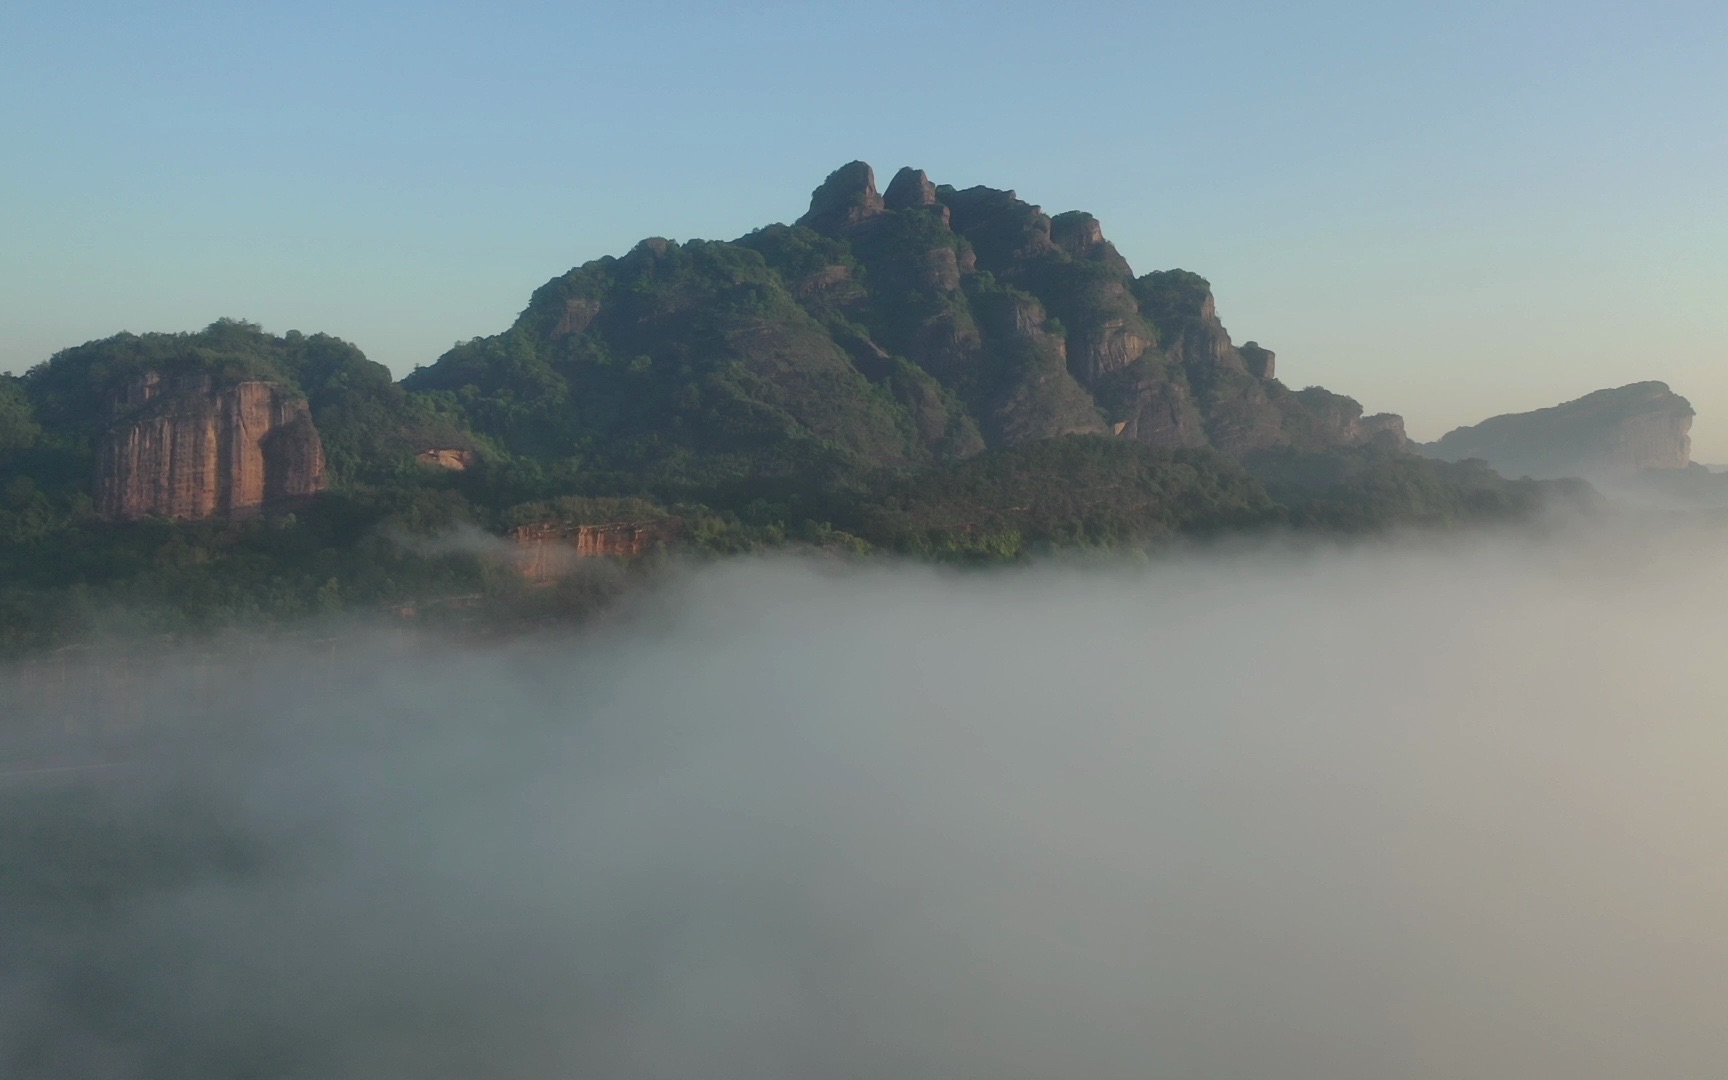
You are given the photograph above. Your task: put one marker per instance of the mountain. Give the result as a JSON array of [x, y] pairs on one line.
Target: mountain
[[899, 328], [1607, 434], [948, 374]]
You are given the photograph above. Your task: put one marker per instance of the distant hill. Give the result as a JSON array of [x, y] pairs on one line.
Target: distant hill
[[1605, 435]]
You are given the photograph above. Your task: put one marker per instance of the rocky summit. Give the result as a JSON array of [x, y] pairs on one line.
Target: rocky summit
[[220, 424], [1604, 435], [918, 324]]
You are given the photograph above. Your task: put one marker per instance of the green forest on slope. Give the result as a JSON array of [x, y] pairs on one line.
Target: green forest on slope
[[950, 374]]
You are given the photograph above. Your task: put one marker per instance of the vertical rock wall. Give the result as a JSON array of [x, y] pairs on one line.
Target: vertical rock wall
[[196, 452], [546, 551]]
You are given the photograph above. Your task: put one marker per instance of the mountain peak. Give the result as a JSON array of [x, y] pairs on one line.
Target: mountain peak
[[910, 188], [846, 198]]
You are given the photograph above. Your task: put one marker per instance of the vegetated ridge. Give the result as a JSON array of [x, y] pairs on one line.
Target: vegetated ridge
[[943, 372], [1605, 435], [921, 325]]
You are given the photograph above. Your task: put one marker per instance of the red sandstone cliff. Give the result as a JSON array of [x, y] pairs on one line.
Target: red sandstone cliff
[[192, 451], [545, 549]]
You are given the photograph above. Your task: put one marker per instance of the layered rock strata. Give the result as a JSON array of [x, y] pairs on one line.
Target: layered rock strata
[[193, 451]]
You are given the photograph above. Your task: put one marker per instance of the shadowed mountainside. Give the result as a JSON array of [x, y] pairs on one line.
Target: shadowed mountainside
[[1607, 434]]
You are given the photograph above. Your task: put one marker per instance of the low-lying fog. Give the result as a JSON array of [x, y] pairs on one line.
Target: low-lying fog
[[1409, 811]]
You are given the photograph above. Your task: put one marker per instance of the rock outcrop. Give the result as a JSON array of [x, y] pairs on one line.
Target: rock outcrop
[[194, 451], [845, 199], [579, 314], [910, 188], [1607, 434], [1386, 428], [444, 457], [1261, 363], [546, 551]]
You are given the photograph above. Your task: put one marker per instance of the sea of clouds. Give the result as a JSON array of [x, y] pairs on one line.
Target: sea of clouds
[[1416, 809]]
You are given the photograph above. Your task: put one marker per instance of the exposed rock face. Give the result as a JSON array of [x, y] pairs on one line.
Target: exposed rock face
[[193, 452], [446, 458], [1386, 428], [1605, 434], [1240, 415], [1082, 236], [1106, 347], [1334, 418], [847, 198], [1150, 352], [1077, 233], [1163, 416], [1045, 401], [909, 188], [941, 270], [1002, 229], [1261, 363], [579, 314], [546, 550]]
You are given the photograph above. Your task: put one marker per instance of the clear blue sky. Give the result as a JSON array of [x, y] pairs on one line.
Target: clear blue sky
[[1445, 210]]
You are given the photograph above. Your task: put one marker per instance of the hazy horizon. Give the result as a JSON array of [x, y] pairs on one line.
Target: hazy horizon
[[1444, 214]]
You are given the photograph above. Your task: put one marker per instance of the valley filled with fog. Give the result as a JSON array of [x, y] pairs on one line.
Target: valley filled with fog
[[1423, 808]]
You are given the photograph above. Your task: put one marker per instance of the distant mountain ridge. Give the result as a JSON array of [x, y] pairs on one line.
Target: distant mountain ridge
[[918, 324], [1606, 434]]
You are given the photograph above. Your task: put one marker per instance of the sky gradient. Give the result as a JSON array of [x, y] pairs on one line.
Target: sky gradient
[[1446, 211]]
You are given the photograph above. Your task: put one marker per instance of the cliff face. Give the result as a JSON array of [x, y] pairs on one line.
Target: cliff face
[[546, 551], [192, 451], [1605, 434]]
